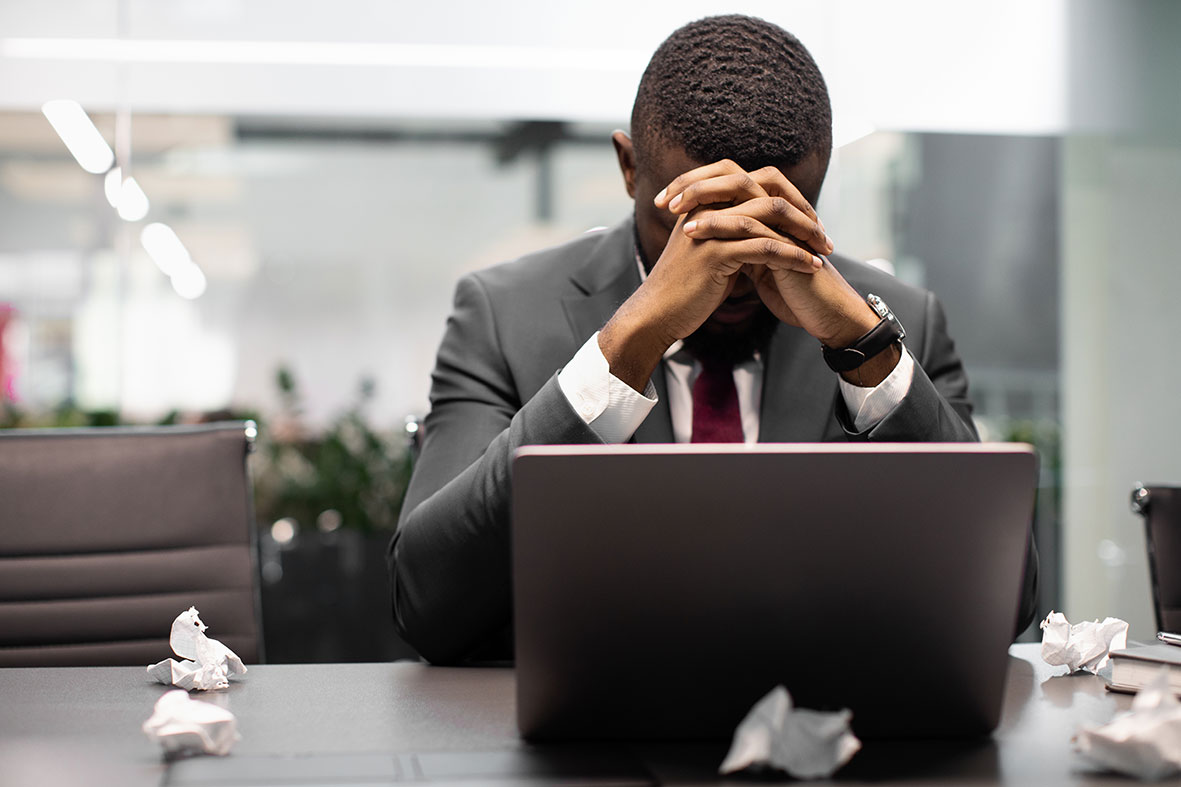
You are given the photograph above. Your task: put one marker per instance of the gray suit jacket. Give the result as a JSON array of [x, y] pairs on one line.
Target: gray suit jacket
[[495, 389]]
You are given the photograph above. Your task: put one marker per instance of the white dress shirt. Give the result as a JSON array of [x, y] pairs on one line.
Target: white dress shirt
[[613, 409]]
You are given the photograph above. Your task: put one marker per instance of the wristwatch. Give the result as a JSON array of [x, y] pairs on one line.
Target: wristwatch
[[886, 332]]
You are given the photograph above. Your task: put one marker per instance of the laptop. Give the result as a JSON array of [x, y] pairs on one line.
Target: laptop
[[661, 590]]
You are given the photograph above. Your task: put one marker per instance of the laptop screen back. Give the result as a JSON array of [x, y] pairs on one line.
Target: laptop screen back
[[660, 591]]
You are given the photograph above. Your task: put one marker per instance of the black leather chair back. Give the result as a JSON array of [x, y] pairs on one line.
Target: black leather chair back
[[1161, 508], [107, 534]]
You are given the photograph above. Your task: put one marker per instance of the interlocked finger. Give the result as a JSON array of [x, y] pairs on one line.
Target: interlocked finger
[[682, 182], [776, 254], [776, 184], [762, 217], [729, 189]]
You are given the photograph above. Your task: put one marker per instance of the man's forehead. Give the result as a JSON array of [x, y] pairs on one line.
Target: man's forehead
[[670, 160], [664, 163]]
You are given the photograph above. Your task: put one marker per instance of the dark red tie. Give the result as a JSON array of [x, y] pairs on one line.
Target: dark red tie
[[716, 417]]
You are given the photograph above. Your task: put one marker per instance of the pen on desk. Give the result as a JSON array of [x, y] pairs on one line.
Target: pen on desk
[[1168, 638]]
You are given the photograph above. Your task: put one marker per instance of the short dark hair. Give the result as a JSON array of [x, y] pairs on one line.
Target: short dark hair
[[733, 87]]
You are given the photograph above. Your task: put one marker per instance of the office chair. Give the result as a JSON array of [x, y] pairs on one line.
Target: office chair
[[1161, 508], [108, 533]]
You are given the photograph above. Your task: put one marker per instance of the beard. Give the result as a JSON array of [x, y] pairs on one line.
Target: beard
[[730, 344]]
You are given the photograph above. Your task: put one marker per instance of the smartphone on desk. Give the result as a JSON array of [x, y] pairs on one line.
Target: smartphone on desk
[[1169, 639]]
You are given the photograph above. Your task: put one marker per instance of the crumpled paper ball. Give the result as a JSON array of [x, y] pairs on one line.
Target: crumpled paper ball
[[807, 744], [1083, 646], [208, 663], [183, 725], [1145, 742]]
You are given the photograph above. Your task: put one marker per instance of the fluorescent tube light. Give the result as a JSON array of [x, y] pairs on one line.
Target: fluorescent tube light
[[189, 282], [324, 53], [82, 139], [164, 247], [112, 185], [133, 203], [171, 256]]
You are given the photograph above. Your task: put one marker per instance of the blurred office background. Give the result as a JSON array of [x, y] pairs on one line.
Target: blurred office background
[[331, 169]]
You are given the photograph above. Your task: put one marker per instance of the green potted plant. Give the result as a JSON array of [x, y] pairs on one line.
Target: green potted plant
[[327, 503]]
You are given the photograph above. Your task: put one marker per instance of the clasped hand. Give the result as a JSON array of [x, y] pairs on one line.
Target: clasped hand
[[733, 225], [735, 231]]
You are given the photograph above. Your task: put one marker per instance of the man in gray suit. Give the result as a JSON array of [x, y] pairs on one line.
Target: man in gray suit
[[716, 312]]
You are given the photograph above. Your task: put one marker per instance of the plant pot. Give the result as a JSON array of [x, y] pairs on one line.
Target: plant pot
[[326, 598]]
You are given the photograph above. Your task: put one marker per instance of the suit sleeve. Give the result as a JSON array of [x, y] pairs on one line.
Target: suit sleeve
[[449, 558], [937, 408]]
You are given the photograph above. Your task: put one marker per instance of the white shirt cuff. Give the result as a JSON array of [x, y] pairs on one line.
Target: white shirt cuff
[[610, 407], [870, 405]]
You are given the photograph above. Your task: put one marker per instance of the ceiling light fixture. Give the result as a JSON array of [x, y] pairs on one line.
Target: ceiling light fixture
[[112, 185], [170, 255], [325, 53], [82, 139], [133, 203]]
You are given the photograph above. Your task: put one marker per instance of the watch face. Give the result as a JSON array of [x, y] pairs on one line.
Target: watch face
[[883, 311], [878, 305]]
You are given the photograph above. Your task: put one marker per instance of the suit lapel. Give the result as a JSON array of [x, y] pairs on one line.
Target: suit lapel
[[605, 281], [799, 390]]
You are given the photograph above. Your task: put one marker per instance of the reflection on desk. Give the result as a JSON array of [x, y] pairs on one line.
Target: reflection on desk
[[375, 723]]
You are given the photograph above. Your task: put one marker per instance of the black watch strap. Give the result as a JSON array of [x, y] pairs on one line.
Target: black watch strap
[[888, 331]]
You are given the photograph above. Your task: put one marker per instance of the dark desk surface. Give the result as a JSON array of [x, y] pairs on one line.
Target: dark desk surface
[[82, 725]]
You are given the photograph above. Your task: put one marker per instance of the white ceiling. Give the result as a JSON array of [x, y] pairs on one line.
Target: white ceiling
[[908, 64]]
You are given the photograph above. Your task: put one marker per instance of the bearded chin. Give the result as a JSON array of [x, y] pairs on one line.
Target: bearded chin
[[728, 343], [732, 343]]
